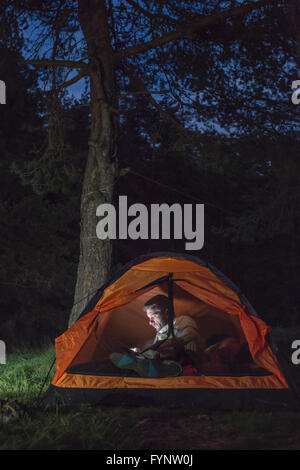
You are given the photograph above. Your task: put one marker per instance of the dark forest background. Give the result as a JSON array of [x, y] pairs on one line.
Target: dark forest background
[[248, 181]]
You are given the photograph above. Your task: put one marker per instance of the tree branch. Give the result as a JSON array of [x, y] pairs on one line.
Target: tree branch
[[143, 92], [57, 63], [74, 79], [169, 117], [187, 30], [138, 83], [151, 16]]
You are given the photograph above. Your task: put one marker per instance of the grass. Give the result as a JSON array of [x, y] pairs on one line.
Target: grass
[[23, 374], [120, 428]]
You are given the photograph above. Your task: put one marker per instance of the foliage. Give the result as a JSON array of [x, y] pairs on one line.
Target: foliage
[[39, 228]]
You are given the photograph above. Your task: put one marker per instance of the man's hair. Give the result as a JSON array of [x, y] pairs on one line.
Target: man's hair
[[158, 303]]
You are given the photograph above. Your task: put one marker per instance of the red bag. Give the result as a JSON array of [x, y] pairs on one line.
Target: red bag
[[190, 370]]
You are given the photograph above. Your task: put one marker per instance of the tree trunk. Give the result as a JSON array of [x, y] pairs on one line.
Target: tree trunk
[[98, 186]]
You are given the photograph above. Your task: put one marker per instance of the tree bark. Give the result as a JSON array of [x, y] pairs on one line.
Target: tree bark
[[101, 169]]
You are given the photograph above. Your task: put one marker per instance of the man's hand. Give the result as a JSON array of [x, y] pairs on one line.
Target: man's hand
[[190, 347], [168, 349]]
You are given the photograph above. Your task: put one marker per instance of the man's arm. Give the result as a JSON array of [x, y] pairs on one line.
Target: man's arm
[[186, 329]]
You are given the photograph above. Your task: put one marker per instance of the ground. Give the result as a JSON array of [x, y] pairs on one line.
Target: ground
[[25, 425]]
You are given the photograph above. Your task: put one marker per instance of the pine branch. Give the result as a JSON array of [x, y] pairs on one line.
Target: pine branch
[[74, 79], [169, 117], [189, 29], [139, 85], [151, 16], [143, 92], [57, 63]]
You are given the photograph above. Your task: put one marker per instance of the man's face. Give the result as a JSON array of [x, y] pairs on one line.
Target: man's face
[[156, 319]]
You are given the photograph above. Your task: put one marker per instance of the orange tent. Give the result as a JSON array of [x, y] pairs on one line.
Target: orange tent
[[114, 321]]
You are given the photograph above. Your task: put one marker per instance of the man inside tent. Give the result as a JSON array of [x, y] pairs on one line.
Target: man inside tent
[[167, 353]]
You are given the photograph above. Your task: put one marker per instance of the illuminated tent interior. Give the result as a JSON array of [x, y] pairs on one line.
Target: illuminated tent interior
[[114, 321], [128, 327]]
